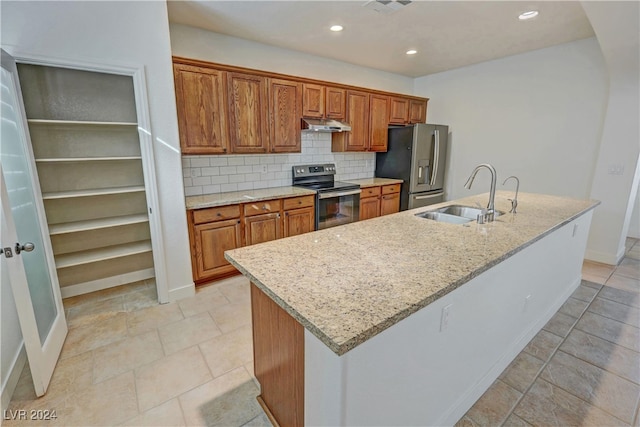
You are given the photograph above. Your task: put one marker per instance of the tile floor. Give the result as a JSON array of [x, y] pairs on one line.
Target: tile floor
[[129, 361]]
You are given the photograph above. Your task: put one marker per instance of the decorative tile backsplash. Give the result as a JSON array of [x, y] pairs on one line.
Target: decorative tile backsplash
[[219, 174]]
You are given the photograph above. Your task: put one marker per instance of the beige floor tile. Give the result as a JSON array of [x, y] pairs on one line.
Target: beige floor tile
[[202, 301], [521, 373], [629, 267], [126, 355], [104, 294], [620, 295], [548, 405], [260, 421], [228, 351], [232, 316], [95, 335], [602, 389], [515, 421], [170, 376], [466, 422], [94, 311], [151, 318], [168, 414], [591, 284], [543, 345], [604, 354], [597, 269], [560, 324], [613, 310], [108, 403], [624, 283], [573, 307], [236, 289], [146, 297], [187, 332], [229, 400], [634, 253], [495, 405], [610, 330], [584, 293], [593, 278]]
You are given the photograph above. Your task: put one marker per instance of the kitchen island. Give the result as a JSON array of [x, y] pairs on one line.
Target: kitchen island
[[401, 320]]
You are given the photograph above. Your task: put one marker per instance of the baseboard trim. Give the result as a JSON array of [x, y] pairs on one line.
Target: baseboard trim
[[12, 380], [106, 283], [182, 292], [605, 257]]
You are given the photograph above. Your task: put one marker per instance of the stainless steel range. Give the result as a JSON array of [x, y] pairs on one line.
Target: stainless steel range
[[337, 202]]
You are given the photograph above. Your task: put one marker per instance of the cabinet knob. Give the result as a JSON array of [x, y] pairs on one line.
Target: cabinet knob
[[218, 214]]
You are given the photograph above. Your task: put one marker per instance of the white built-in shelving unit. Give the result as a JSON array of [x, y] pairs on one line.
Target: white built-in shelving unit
[[84, 132]]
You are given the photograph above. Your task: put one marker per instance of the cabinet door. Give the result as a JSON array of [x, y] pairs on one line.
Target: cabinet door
[[299, 221], [200, 100], [389, 203], [335, 102], [358, 118], [417, 111], [285, 107], [248, 125], [313, 100], [399, 111], [262, 228], [378, 122], [210, 241], [369, 208]]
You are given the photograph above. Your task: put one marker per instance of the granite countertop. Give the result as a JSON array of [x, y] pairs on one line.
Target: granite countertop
[[221, 199], [349, 283], [372, 182]]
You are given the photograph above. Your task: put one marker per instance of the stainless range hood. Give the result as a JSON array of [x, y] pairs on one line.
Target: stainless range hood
[[324, 125]]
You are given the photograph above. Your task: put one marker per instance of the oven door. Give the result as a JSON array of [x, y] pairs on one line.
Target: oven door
[[337, 208]]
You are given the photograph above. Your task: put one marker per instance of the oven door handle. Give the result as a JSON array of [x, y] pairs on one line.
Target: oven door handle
[[338, 194]]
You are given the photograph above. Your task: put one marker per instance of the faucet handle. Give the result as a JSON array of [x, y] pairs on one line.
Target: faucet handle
[[514, 205]]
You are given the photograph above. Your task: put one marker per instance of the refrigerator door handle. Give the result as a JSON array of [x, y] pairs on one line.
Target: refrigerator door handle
[[436, 155], [419, 172], [430, 196]]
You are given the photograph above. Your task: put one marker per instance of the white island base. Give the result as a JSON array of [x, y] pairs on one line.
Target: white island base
[[426, 370]]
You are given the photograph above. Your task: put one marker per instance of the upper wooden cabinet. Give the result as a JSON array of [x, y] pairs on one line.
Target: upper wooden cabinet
[[248, 125], [378, 122], [417, 111], [358, 118], [200, 98], [398, 111], [321, 101], [285, 106]]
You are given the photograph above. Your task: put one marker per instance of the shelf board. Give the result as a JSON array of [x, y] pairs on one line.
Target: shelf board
[[96, 224], [92, 192], [86, 159], [102, 254], [78, 122]]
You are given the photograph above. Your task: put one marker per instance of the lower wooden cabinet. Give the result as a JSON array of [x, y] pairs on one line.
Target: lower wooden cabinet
[[215, 230], [262, 228], [380, 200]]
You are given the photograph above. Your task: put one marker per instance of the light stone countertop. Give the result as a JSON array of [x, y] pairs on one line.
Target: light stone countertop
[[221, 199], [372, 182], [347, 284]]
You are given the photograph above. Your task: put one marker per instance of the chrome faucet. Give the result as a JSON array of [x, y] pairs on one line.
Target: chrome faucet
[[514, 201], [489, 214]]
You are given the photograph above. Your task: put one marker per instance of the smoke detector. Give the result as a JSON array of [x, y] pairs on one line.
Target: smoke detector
[[386, 7]]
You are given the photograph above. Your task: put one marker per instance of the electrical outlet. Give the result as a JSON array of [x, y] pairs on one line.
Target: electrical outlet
[[615, 169], [264, 169], [444, 318], [194, 173]]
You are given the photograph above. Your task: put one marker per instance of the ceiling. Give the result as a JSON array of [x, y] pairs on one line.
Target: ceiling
[[446, 34]]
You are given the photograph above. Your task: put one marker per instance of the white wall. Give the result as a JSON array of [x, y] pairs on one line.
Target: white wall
[[190, 42], [128, 33], [617, 171], [537, 115], [634, 225]]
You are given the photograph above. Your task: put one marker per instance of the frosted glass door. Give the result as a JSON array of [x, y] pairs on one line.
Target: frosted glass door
[[24, 239]]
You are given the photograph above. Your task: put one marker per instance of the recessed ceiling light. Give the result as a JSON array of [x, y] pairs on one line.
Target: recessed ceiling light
[[528, 15], [412, 52], [336, 28]]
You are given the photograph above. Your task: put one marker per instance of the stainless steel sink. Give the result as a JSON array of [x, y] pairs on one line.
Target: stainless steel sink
[[455, 214]]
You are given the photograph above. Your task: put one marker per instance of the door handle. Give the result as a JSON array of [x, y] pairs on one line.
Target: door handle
[[436, 155], [27, 247]]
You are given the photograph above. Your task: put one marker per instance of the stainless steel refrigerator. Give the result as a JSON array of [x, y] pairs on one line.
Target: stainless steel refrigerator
[[416, 154]]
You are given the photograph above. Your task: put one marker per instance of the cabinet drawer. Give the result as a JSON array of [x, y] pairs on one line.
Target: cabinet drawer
[[370, 192], [216, 214], [393, 188], [263, 207], [298, 202]]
